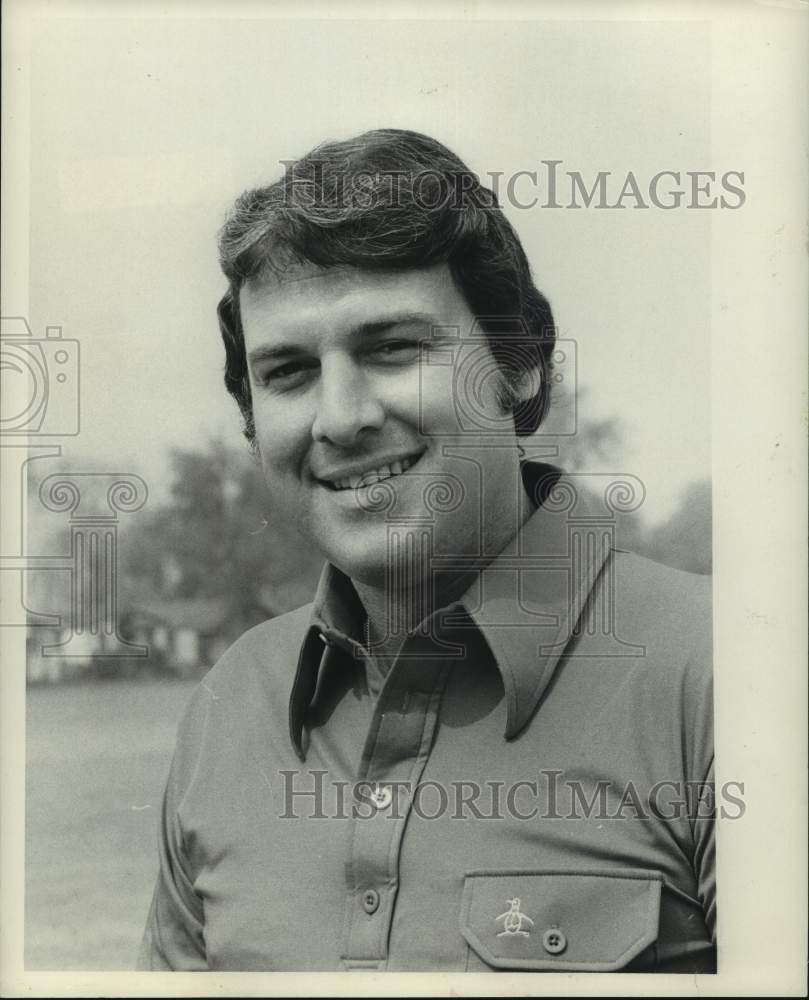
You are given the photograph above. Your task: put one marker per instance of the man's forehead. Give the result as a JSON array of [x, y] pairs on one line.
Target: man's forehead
[[306, 290]]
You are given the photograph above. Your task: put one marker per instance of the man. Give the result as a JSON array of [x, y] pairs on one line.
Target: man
[[478, 748]]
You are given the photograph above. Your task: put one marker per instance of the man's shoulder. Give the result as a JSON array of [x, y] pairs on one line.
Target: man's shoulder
[[643, 574], [269, 647], [247, 688], [278, 631], [661, 607]]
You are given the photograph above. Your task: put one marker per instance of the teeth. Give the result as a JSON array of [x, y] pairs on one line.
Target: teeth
[[374, 475]]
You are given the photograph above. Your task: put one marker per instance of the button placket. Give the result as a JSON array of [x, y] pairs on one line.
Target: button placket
[[397, 751]]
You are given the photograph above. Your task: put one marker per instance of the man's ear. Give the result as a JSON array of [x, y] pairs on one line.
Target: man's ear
[[526, 386]]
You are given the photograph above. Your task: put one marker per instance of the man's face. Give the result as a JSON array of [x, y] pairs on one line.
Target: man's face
[[350, 384]]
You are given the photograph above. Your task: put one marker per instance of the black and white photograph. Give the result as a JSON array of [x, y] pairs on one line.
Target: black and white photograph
[[404, 498]]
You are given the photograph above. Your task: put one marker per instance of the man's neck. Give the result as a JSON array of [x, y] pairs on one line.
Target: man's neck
[[393, 611], [391, 617]]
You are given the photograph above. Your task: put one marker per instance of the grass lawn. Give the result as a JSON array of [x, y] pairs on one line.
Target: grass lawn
[[97, 758]]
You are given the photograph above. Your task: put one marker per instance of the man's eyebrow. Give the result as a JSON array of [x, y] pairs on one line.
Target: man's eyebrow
[[397, 319], [272, 352]]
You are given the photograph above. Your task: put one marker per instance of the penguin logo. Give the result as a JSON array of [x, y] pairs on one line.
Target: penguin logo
[[514, 921]]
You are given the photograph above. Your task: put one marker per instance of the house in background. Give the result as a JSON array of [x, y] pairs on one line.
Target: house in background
[[90, 655], [185, 636], [46, 666]]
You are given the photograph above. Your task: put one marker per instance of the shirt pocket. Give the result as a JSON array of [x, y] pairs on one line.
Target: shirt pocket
[[561, 920]]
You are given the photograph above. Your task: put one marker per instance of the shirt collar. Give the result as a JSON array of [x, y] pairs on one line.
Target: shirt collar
[[526, 602]]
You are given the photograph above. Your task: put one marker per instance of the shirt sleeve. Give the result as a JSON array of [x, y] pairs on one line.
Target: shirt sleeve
[[698, 749], [705, 855], [174, 937]]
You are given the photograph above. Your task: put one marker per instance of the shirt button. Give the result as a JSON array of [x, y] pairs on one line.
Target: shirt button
[[381, 797], [554, 941], [370, 901]]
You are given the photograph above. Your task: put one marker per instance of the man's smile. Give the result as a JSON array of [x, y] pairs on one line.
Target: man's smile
[[359, 475]]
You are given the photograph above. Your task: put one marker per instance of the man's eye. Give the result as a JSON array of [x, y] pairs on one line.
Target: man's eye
[[397, 350], [288, 375]]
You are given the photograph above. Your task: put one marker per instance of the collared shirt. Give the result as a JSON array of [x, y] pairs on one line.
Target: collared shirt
[[528, 787]]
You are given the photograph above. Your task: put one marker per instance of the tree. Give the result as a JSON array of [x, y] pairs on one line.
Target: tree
[[216, 537], [684, 540]]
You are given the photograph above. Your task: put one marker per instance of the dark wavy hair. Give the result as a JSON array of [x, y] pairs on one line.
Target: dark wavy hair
[[391, 200]]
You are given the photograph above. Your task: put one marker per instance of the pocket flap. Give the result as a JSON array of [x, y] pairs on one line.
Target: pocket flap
[[558, 920]]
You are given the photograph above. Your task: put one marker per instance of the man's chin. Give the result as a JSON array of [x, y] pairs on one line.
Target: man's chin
[[361, 554], [368, 570]]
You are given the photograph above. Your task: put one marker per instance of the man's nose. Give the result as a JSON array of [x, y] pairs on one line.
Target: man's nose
[[348, 405]]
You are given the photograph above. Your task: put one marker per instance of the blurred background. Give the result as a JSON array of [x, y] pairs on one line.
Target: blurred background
[[142, 133]]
